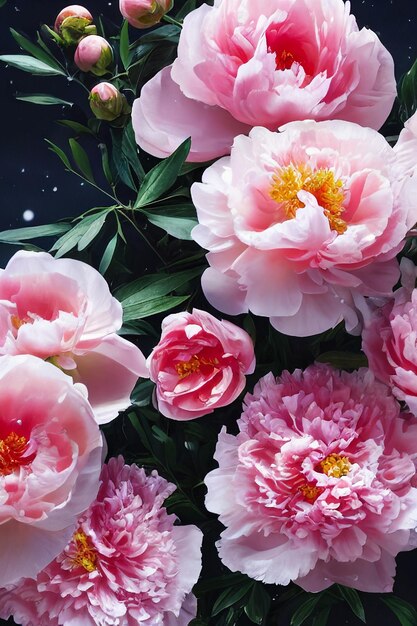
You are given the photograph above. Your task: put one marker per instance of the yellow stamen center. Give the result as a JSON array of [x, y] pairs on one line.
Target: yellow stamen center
[[12, 450], [284, 60], [310, 492], [335, 465], [17, 322], [185, 368], [86, 555], [321, 183]]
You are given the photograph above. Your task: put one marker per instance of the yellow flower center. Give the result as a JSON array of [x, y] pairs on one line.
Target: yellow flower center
[[12, 450], [284, 60], [335, 465], [86, 555], [17, 322], [310, 492], [185, 368], [321, 183]]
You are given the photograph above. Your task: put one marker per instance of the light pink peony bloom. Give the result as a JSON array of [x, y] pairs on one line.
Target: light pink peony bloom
[[144, 13], [389, 338], [62, 310], [245, 63], [127, 564], [50, 461], [300, 224], [199, 364], [319, 486]]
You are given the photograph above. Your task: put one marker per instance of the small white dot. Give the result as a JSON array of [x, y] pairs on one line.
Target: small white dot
[[22, 170], [28, 215], [55, 189]]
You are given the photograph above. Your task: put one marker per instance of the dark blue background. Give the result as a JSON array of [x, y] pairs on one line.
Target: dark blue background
[[32, 178]]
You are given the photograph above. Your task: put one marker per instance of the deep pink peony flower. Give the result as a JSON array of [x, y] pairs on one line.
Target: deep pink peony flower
[[50, 461], [245, 63], [299, 224], [319, 486], [389, 338], [199, 364], [62, 310], [127, 564]]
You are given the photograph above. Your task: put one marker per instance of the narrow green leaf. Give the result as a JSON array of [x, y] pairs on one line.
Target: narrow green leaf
[[139, 327], [229, 597], [142, 393], [81, 159], [187, 7], [130, 150], [119, 161], [220, 582], [155, 285], [42, 98], [258, 604], [305, 610], [124, 45], [59, 153], [78, 128], [108, 255], [162, 176], [2, 3], [17, 235], [92, 231], [351, 596], [29, 64], [179, 227], [152, 307], [405, 612], [105, 163], [343, 360], [39, 53], [322, 616], [71, 239]]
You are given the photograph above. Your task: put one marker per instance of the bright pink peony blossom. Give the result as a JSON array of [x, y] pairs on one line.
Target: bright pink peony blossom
[[389, 338], [199, 364], [319, 486], [144, 13], [299, 224], [62, 310], [50, 461], [245, 63], [127, 564]]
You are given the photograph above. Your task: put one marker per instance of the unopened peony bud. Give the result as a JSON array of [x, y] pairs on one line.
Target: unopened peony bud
[[107, 103], [144, 13], [73, 23], [93, 54]]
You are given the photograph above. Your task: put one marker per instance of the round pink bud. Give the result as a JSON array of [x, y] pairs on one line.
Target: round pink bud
[[73, 23], [94, 54], [144, 13], [107, 103]]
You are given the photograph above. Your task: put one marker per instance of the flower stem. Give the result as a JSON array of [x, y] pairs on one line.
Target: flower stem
[[171, 20]]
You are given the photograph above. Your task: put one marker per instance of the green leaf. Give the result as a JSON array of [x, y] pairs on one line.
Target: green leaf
[[29, 64], [220, 582], [179, 227], [258, 605], [343, 360], [17, 235], [2, 3], [119, 160], [60, 153], [124, 45], [42, 98], [305, 610], [322, 616], [229, 597], [405, 612], [139, 327], [92, 231], [130, 150], [155, 285], [108, 255], [40, 53], [187, 7], [78, 128], [162, 176], [142, 393], [151, 307], [105, 163], [407, 93], [351, 596], [73, 237], [81, 159]]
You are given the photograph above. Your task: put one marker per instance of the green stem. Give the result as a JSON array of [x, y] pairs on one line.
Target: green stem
[[96, 187], [144, 237], [171, 20]]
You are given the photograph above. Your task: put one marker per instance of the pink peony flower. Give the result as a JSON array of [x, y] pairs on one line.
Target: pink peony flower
[[245, 63], [94, 54], [126, 564], [199, 364], [302, 223], [389, 338], [50, 461], [319, 486], [62, 310], [144, 13]]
